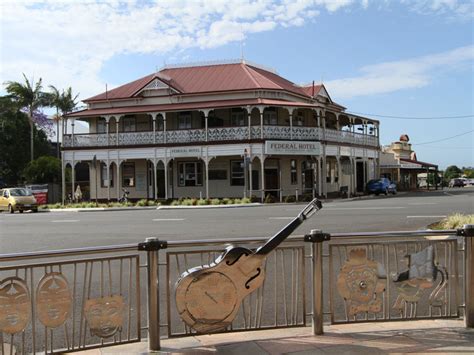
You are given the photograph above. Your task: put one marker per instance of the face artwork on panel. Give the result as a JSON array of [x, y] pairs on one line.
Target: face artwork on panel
[[53, 300], [15, 305], [105, 315], [360, 283]]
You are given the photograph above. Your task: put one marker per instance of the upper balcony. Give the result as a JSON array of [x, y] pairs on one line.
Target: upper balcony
[[219, 134]]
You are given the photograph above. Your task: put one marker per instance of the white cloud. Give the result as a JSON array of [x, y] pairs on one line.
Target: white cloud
[[398, 75], [452, 9], [67, 42]]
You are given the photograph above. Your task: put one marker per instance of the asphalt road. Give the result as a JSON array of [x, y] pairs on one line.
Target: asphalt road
[[58, 230]]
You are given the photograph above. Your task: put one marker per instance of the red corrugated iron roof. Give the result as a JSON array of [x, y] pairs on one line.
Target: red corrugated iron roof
[[205, 79], [309, 89], [185, 106]]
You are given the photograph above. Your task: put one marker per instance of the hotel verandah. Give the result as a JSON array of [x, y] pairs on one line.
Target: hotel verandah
[[229, 129]]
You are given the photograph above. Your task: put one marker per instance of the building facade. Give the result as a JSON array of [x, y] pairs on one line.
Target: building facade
[[230, 129], [399, 163]]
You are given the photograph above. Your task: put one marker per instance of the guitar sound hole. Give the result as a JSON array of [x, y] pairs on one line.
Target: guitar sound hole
[[228, 262], [253, 277]]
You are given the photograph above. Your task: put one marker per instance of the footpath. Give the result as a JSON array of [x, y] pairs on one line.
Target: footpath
[[421, 336]]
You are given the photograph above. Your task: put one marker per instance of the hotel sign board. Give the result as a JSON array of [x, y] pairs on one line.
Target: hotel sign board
[[292, 148], [184, 152]]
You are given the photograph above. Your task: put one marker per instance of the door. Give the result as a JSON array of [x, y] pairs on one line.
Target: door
[[307, 176], [151, 181], [360, 176], [271, 182]]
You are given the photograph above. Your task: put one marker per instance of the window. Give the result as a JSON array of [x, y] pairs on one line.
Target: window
[[217, 174], [237, 117], [128, 175], [101, 125], [328, 172], [299, 119], [293, 172], [184, 120], [237, 177], [129, 124], [103, 176], [270, 116], [190, 174]]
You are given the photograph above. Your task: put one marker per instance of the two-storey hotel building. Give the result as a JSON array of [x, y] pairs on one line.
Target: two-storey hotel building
[[230, 129]]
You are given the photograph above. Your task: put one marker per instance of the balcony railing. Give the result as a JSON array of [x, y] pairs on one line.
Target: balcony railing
[[218, 134]]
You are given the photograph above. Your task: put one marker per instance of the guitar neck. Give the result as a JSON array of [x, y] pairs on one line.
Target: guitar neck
[[284, 233]]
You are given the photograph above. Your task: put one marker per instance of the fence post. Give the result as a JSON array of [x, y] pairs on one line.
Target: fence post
[[317, 237], [152, 246], [468, 233]]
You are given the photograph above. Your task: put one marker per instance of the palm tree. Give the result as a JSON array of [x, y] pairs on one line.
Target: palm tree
[[64, 103], [29, 97]]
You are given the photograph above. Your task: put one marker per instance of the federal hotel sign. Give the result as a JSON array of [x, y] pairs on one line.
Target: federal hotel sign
[[292, 148]]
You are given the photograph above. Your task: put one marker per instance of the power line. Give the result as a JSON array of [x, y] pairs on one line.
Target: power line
[[445, 139], [410, 117]]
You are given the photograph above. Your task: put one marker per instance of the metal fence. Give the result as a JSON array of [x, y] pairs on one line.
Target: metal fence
[[64, 301], [91, 297]]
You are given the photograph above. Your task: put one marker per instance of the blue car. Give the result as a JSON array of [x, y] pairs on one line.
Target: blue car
[[381, 186]]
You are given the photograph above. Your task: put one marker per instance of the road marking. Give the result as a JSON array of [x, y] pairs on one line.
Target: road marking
[[422, 203], [65, 221], [168, 219], [426, 216], [362, 208], [281, 217]]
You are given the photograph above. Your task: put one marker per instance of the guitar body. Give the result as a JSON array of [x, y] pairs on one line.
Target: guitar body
[[208, 298]]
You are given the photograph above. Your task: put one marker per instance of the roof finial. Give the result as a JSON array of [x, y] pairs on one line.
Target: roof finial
[[241, 44]]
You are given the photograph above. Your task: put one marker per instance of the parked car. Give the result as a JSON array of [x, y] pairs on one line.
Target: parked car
[[17, 199], [381, 186], [456, 183]]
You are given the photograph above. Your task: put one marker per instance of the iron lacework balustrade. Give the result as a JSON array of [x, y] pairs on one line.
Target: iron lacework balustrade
[[219, 134]]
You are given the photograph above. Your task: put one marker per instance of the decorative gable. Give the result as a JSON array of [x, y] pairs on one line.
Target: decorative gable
[[156, 87]]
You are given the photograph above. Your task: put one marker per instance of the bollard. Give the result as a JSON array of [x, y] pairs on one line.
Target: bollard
[[152, 246], [317, 237], [468, 232]]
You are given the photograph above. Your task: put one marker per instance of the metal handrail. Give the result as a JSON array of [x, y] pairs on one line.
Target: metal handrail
[[214, 242], [68, 252]]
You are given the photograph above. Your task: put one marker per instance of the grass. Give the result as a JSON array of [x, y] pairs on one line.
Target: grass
[[454, 221]]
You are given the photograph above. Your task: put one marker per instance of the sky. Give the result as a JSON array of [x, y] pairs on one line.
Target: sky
[[407, 63]]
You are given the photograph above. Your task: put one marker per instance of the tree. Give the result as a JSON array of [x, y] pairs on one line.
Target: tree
[[14, 147], [468, 173], [28, 96], [452, 172], [64, 103], [45, 169]]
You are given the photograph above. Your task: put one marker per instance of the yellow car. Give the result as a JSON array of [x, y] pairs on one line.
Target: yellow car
[[17, 199]]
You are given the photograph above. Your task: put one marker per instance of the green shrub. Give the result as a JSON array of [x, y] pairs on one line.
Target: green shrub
[[175, 203], [270, 199], [454, 221], [245, 200], [237, 201], [290, 198], [142, 202], [254, 198], [187, 202], [306, 197], [202, 202], [227, 201], [215, 201]]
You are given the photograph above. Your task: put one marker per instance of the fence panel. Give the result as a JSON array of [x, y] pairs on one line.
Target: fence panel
[[64, 306], [279, 303], [394, 280]]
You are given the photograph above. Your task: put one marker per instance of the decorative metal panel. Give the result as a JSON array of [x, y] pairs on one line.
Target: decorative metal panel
[[394, 280], [72, 305]]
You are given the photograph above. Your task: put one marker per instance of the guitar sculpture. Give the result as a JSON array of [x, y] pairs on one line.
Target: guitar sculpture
[[208, 297]]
